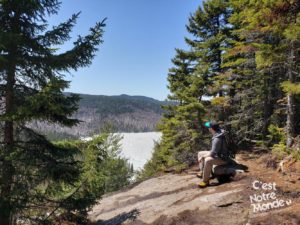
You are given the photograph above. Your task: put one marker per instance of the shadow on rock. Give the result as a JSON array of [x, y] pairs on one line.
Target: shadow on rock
[[119, 219], [225, 173]]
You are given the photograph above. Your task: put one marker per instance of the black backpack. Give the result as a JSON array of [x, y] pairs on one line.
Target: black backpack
[[229, 141]]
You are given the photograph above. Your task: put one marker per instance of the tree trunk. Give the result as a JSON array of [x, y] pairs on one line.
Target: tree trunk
[[7, 176], [290, 123], [268, 105], [290, 120], [7, 167]]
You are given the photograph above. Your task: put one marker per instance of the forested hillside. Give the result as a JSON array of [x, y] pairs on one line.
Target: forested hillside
[[244, 56], [241, 68], [122, 113]]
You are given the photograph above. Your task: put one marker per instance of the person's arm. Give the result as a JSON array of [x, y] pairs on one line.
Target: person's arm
[[216, 147]]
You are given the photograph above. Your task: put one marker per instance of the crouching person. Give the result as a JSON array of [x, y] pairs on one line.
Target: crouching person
[[215, 156]]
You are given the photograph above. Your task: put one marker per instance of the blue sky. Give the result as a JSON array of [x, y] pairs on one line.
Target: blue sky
[[139, 42]]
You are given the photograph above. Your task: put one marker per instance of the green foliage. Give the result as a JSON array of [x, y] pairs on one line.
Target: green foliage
[[277, 134], [296, 155], [194, 76], [102, 170], [220, 101], [32, 83], [279, 151], [262, 28], [181, 123], [241, 52], [292, 32], [291, 88]]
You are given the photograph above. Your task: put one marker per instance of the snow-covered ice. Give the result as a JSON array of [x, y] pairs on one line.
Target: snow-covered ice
[[138, 147]]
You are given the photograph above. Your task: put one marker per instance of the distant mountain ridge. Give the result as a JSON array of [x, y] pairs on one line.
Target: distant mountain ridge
[[124, 113], [120, 104]]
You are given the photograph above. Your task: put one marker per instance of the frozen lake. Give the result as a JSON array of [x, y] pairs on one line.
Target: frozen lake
[[138, 147]]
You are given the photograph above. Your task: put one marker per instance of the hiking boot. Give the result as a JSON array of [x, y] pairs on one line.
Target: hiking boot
[[199, 175], [203, 184]]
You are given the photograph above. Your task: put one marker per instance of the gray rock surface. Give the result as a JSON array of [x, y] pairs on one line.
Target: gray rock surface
[[165, 196]]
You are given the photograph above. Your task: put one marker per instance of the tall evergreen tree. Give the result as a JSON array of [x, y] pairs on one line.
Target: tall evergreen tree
[[211, 32], [274, 27], [180, 125], [32, 81], [254, 99], [191, 79]]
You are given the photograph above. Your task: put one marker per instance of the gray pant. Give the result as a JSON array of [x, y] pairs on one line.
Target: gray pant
[[201, 157], [206, 163]]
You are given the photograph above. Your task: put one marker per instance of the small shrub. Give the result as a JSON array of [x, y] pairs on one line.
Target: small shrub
[[279, 151], [276, 134]]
